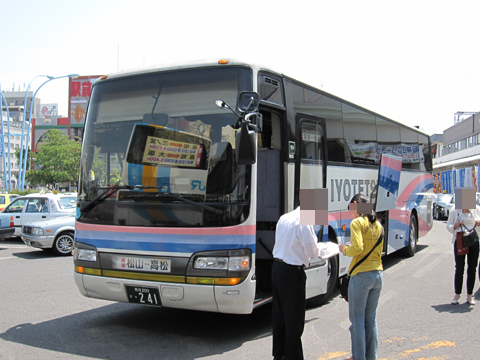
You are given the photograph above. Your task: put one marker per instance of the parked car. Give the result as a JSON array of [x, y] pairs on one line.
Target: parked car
[[451, 204], [439, 207], [6, 226], [56, 234], [39, 207], [6, 198]]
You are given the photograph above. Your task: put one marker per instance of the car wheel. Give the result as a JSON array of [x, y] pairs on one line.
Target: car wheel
[[412, 238], [63, 244]]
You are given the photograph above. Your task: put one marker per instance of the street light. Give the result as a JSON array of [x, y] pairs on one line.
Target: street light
[[22, 173], [23, 125]]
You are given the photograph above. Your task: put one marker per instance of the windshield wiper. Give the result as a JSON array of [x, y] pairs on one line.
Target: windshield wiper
[[88, 206], [178, 197]]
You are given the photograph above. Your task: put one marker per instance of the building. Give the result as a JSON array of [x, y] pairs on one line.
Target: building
[[16, 108], [459, 164], [11, 144], [436, 141]]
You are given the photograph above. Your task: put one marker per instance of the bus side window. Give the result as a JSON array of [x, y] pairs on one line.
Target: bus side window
[[335, 142], [310, 147]]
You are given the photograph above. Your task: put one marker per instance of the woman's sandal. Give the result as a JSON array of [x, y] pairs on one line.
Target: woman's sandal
[[455, 300], [471, 299]]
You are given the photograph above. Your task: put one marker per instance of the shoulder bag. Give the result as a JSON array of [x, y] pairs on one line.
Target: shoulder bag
[[470, 236], [346, 279]]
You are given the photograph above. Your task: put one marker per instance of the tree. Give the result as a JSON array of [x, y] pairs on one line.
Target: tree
[[58, 159], [29, 158]]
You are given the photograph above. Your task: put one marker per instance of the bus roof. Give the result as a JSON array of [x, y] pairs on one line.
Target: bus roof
[[233, 62], [180, 65]]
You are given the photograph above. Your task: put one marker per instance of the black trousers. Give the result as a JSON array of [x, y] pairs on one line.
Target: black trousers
[[472, 262], [288, 285]]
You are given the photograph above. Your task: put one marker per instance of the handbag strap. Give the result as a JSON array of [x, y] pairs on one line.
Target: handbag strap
[[366, 256], [469, 230]]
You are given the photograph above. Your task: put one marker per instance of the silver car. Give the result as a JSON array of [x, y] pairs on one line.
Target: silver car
[[40, 207], [56, 234], [451, 204]]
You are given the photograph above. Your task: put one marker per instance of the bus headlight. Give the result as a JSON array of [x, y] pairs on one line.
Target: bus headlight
[[234, 263], [211, 263], [86, 255]]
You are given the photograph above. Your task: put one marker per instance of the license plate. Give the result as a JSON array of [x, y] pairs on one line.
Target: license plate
[[142, 264], [143, 295]]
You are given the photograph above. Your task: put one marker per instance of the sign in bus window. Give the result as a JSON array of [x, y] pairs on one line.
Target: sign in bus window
[[161, 146]]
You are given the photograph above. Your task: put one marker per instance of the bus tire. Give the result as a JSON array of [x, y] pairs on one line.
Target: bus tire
[[331, 284], [411, 247]]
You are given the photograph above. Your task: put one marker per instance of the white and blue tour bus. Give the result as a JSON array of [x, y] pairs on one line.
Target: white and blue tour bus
[[185, 171]]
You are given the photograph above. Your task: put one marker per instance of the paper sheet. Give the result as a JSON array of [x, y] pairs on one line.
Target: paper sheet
[[327, 250]]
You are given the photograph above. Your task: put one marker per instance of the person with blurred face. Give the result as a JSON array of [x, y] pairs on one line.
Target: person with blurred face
[[466, 216], [366, 280]]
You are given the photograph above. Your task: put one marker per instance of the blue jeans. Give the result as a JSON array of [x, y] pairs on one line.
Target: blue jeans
[[363, 294]]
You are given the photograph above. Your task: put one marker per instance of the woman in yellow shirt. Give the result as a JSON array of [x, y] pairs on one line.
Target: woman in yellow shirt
[[366, 280]]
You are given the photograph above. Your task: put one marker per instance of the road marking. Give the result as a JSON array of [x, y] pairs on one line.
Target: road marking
[[8, 246], [333, 355], [434, 345], [403, 354], [7, 257]]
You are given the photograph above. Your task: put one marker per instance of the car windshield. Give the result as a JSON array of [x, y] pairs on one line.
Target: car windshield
[[67, 202], [444, 198]]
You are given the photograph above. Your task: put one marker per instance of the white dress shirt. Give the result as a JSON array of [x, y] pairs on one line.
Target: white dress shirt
[[295, 244]]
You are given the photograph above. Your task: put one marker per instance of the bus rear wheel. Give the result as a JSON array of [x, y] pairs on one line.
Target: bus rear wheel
[[331, 284], [412, 238]]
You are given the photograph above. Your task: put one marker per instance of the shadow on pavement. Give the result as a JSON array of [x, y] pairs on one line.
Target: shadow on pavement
[[124, 331]]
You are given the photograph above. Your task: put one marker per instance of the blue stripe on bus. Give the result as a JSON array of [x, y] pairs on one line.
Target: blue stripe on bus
[[388, 184], [167, 242], [135, 173], [163, 179]]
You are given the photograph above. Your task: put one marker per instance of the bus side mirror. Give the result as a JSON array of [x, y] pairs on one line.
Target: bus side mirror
[[245, 142], [248, 101]]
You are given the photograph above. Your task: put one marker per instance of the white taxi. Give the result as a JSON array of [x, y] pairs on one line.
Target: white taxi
[[40, 207]]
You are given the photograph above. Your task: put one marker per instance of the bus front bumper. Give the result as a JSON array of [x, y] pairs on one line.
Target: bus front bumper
[[235, 299]]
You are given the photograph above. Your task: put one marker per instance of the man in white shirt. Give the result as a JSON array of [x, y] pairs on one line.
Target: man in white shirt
[[295, 245]]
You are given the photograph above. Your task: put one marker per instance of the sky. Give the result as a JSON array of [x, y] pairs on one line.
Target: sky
[[417, 62]]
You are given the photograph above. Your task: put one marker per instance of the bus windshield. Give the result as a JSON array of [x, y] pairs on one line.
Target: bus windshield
[[157, 151]]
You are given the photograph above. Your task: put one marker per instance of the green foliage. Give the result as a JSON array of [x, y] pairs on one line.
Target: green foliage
[[59, 159], [116, 177], [22, 192], [29, 157]]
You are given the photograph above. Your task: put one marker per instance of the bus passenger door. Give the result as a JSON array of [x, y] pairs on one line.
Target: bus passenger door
[[386, 200], [269, 197], [310, 173]]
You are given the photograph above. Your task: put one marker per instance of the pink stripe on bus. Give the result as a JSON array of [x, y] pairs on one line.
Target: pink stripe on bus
[[230, 230], [405, 195], [392, 163]]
